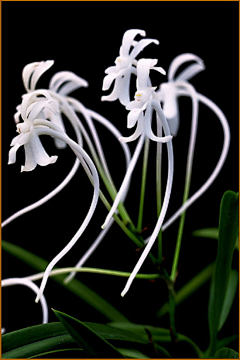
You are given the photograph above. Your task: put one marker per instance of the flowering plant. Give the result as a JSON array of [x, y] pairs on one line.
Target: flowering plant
[[156, 114]]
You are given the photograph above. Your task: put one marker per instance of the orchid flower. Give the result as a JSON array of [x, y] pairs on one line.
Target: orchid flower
[[125, 66], [168, 94], [146, 100], [142, 102], [34, 287], [30, 129]]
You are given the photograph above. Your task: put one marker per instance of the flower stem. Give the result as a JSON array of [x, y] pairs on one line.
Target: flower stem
[[143, 185], [180, 229], [93, 271], [159, 185]]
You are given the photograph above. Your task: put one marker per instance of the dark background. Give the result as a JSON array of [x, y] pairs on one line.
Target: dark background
[[84, 37]]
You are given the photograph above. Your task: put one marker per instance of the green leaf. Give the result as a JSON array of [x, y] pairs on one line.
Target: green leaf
[[35, 340], [57, 352], [229, 297], [75, 286], [160, 335], [210, 233], [226, 353], [226, 341], [93, 344], [132, 354], [188, 289], [228, 231]]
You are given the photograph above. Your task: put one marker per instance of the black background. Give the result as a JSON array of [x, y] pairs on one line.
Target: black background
[[84, 37]]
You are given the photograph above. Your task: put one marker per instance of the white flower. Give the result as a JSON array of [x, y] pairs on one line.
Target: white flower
[[34, 151], [169, 93], [123, 69], [143, 97]]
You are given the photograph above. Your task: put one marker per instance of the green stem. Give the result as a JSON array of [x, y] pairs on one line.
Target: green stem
[[187, 290], [180, 229], [159, 186], [138, 241], [143, 185], [172, 306], [93, 271]]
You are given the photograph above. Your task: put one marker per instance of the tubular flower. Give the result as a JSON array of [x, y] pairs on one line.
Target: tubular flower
[[146, 100], [34, 151], [125, 66], [143, 97]]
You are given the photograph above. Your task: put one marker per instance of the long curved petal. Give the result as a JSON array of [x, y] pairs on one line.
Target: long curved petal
[[179, 60]]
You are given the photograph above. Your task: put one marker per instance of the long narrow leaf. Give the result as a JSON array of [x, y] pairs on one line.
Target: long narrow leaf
[[228, 230], [93, 344], [230, 295], [75, 286], [34, 340], [158, 335], [210, 233], [226, 353]]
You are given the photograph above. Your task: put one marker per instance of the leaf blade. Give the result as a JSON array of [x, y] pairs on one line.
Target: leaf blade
[[75, 286], [92, 343]]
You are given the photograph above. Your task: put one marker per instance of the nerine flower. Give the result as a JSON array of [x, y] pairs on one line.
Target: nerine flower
[[125, 66]]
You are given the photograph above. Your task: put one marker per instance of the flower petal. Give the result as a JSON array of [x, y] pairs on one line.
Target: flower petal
[[12, 154], [148, 128], [139, 130], [30, 162], [128, 39], [141, 45], [179, 60], [107, 81], [133, 117], [38, 152], [143, 68], [72, 81], [27, 72], [124, 85], [39, 70], [111, 69], [191, 71]]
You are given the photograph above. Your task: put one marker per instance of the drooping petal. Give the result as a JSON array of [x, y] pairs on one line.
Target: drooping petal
[[107, 81], [133, 117], [114, 94], [32, 97], [40, 155], [143, 68], [148, 128], [111, 69], [124, 85], [26, 74], [57, 120], [71, 80], [30, 162], [191, 71], [181, 59], [38, 71], [20, 139], [141, 45], [36, 108], [139, 130], [12, 154], [128, 39]]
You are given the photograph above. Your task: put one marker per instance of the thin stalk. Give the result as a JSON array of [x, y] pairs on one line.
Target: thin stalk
[[191, 149], [143, 184], [159, 184], [92, 271], [180, 229], [172, 306]]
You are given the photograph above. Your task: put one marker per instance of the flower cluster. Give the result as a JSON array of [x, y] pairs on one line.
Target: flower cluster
[[40, 113]]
